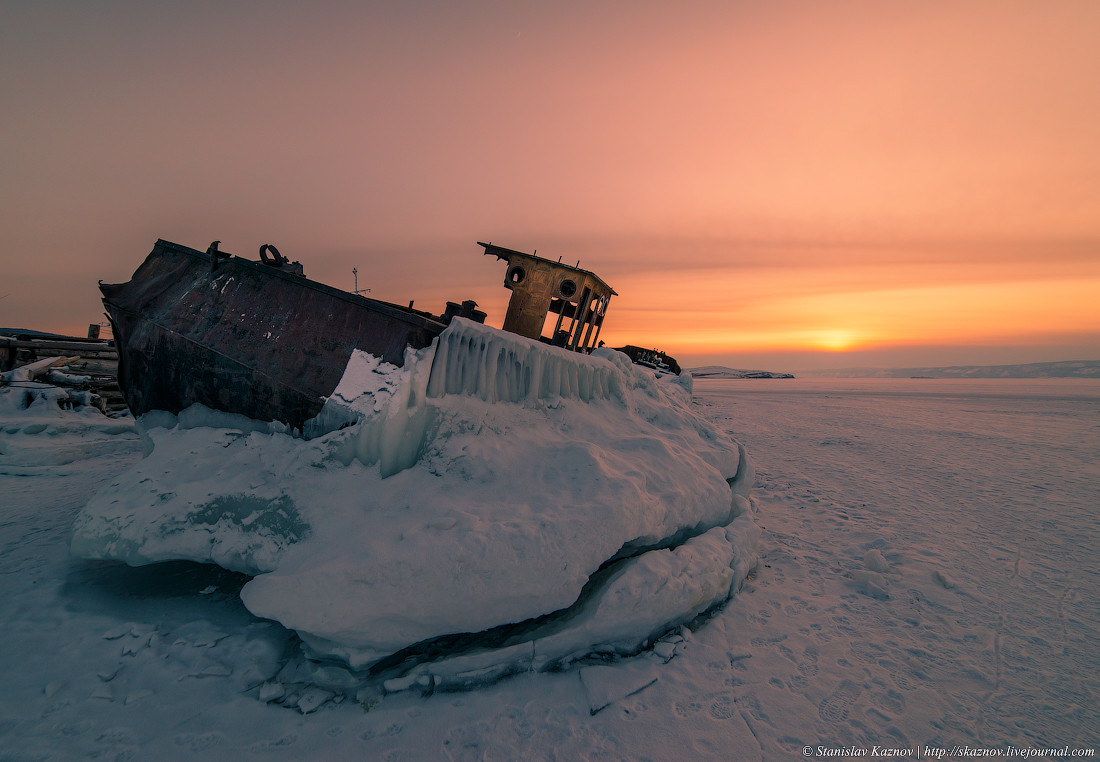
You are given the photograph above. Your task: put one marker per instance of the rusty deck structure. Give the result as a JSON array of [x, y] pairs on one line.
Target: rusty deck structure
[[541, 287]]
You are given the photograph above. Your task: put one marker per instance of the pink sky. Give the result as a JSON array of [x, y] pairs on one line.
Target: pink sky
[[766, 184]]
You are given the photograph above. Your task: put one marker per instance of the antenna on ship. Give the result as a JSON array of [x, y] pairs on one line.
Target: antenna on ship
[[355, 273]]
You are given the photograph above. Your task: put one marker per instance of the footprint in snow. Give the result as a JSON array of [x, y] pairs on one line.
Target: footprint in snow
[[808, 666], [466, 743], [687, 708], [898, 675], [198, 741], [796, 607], [865, 651], [767, 641], [717, 667], [274, 745], [723, 707], [892, 702], [113, 737], [834, 708]]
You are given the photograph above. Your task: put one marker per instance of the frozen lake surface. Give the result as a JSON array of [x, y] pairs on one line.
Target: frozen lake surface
[[928, 577]]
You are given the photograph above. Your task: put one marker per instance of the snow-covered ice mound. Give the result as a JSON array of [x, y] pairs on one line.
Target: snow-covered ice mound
[[43, 426], [494, 505]]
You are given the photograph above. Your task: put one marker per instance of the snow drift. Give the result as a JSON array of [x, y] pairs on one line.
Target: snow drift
[[42, 426], [494, 505]]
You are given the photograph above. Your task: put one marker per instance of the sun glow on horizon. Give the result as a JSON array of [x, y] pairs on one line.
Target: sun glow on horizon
[[711, 312], [837, 340]]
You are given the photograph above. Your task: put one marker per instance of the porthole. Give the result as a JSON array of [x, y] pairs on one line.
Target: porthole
[[516, 275], [567, 288]]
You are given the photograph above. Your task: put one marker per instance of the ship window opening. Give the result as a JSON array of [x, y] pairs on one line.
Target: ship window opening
[[567, 288], [516, 275]]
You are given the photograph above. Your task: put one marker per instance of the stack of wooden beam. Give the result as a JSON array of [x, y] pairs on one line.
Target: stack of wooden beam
[[77, 364]]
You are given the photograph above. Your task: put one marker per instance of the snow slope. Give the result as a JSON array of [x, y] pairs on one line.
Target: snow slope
[[929, 577]]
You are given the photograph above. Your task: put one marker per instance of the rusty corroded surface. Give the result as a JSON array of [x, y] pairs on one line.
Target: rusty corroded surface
[[541, 286], [245, 337]]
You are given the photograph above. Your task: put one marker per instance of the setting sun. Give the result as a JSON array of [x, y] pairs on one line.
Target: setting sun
[[837, 340]]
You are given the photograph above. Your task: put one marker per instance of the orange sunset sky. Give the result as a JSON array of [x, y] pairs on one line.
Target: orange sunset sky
[[768, 184]]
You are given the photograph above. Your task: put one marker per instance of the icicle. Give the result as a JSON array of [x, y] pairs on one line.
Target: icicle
[[477, 361]]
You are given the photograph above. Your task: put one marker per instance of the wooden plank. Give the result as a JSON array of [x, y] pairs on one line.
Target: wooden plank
[[36, 369], [68, 347]]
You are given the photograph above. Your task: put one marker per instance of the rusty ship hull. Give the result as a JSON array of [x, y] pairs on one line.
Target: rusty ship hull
[[245, 337]]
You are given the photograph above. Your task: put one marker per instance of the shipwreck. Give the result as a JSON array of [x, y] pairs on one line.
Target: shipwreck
[[497, 501], [260, 339]]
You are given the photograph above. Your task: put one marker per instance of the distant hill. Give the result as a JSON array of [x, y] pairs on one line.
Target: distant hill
[[1066, 369], [29, 332], [718, 371]]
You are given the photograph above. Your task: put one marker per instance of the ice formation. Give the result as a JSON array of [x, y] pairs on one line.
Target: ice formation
[[494, 505], [42, 425]]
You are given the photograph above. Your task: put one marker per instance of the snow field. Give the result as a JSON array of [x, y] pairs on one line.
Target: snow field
[[929, 569], [990, 488]]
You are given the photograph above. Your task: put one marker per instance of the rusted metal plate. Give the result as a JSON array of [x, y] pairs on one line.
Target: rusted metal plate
[[245, 337]]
